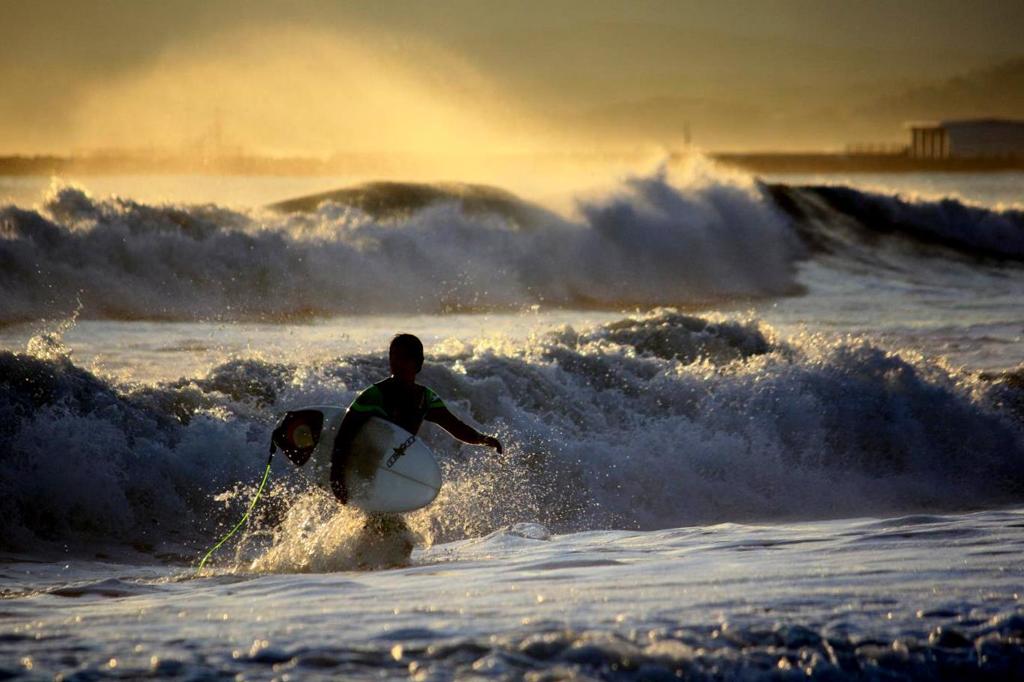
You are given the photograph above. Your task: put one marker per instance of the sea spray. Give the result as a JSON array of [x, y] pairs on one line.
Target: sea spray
[[318, 535]]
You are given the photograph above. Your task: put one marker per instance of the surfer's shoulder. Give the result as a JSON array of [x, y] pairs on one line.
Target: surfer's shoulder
[[431, 399], [371, 400]]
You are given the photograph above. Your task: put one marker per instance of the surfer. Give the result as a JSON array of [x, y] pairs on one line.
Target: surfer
[[398, 399]]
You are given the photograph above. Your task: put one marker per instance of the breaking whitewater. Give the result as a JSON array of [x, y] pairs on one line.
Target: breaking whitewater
[[726, 382]]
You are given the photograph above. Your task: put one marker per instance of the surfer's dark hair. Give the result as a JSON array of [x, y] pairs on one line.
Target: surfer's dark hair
[[410, 346]]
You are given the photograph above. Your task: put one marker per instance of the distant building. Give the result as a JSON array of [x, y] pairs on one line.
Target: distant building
[[977, 138]]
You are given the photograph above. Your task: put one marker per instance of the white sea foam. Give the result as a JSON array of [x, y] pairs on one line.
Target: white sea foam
[[650, 242], [697, 236]]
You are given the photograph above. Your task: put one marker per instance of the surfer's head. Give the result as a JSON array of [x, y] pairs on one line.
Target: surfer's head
[[405, 356]]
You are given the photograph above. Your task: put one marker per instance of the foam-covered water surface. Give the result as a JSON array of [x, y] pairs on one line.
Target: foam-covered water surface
[[926, 596]]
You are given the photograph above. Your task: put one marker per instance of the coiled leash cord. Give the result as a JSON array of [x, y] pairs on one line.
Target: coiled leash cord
[[252, 505]]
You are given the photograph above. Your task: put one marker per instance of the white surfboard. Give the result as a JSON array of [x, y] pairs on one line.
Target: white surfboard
[[389, 470]]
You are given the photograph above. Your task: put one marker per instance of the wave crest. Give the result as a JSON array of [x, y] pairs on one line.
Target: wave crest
[[702, 237], [823, 212], [649, 243]]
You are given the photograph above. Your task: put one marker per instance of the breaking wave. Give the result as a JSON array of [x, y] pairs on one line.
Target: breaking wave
[[705, 236], [655, 421], [827, 215], [394, 249]]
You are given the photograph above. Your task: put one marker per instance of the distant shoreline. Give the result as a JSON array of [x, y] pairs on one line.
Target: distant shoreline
[[759, 162]]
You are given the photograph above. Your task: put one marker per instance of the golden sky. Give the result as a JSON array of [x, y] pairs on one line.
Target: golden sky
[[319, 77]]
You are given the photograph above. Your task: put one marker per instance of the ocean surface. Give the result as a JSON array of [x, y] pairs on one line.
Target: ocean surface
[[756, 428]]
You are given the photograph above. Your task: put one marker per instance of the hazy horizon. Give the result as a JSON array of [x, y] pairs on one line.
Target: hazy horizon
[[461, 78]]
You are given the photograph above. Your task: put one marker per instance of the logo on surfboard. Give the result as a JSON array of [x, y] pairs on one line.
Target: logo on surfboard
[[400, 450]]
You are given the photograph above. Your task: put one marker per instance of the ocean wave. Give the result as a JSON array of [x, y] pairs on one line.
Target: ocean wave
[[694, 238], [648, 243], [827, 216], [656, 421]]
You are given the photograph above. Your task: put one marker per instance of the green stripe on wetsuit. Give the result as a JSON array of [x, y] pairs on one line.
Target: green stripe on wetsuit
[[371, 401], [433, 400]]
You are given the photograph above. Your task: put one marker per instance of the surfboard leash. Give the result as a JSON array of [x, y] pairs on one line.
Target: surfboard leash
[[252, 505]]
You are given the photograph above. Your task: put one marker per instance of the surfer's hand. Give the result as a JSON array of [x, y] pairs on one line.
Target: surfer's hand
[[492, 442]]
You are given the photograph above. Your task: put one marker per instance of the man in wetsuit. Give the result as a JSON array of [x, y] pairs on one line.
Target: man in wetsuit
[[401, 400]]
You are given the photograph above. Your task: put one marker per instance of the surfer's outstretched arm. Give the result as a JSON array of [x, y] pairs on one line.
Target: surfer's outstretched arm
[[461, 430]]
